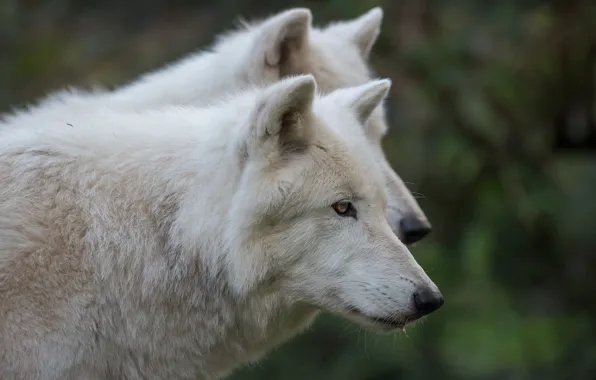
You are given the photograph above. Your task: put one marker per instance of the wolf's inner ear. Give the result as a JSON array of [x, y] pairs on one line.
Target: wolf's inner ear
[[364, 99], [281, 118], [283, 38], [362, 31]]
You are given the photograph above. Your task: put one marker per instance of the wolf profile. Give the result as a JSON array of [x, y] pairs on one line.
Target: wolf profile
[[179, 243]]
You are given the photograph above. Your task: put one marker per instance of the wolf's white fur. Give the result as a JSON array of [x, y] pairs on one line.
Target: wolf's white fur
[[262, 53], [179, 243]]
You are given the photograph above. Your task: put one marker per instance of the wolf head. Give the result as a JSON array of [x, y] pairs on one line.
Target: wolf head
[[309, 217], [286, 44]]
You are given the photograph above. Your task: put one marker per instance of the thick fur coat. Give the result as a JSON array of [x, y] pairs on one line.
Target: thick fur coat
[[182, 242]]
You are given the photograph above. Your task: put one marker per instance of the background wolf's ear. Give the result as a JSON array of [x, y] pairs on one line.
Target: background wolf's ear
[[280, 121], [363, 99], [361, 31], [282, 39]]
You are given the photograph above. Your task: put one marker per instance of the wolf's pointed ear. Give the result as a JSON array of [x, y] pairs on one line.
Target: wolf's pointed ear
[[282, 38], [280, 121], [361, 31], [364, 99]]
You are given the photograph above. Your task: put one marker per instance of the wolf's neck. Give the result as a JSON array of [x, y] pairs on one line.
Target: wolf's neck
[[259, 326], [242, 327]]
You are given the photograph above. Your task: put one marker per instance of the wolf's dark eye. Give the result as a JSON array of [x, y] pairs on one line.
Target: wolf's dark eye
[[344, 208]]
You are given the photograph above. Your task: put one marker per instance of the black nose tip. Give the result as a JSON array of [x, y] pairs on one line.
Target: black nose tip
[[414, 229], [427, 301]]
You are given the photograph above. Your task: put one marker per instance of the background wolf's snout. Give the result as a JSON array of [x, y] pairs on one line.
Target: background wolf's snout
[[427, 300], [413, 228]]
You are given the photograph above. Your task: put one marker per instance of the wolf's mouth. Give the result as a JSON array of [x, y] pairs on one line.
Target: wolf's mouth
[[389, 322], [392, 323]]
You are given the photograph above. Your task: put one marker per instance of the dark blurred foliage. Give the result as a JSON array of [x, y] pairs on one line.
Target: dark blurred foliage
[[481, 91]]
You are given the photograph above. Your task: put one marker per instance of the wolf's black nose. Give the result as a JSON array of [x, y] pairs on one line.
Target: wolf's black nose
[[414, 229], [426, 301]]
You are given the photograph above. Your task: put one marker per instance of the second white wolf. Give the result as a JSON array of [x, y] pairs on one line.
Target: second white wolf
[[263, 53]]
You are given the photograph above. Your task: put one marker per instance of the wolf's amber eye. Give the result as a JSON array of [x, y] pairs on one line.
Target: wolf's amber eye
[[344, 208]]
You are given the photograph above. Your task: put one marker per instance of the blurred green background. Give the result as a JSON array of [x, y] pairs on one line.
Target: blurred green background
[[478, 89]]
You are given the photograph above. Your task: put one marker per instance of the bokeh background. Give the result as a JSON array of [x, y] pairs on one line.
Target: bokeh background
[[483, 94]]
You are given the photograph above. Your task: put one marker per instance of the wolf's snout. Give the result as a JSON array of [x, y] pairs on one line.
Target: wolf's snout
[[414, 228], [427, 300]]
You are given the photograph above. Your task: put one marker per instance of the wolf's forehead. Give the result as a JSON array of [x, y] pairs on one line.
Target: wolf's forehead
[[349, 167]]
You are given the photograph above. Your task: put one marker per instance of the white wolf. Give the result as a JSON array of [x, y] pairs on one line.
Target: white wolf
[[180, 243], [262, 53]]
